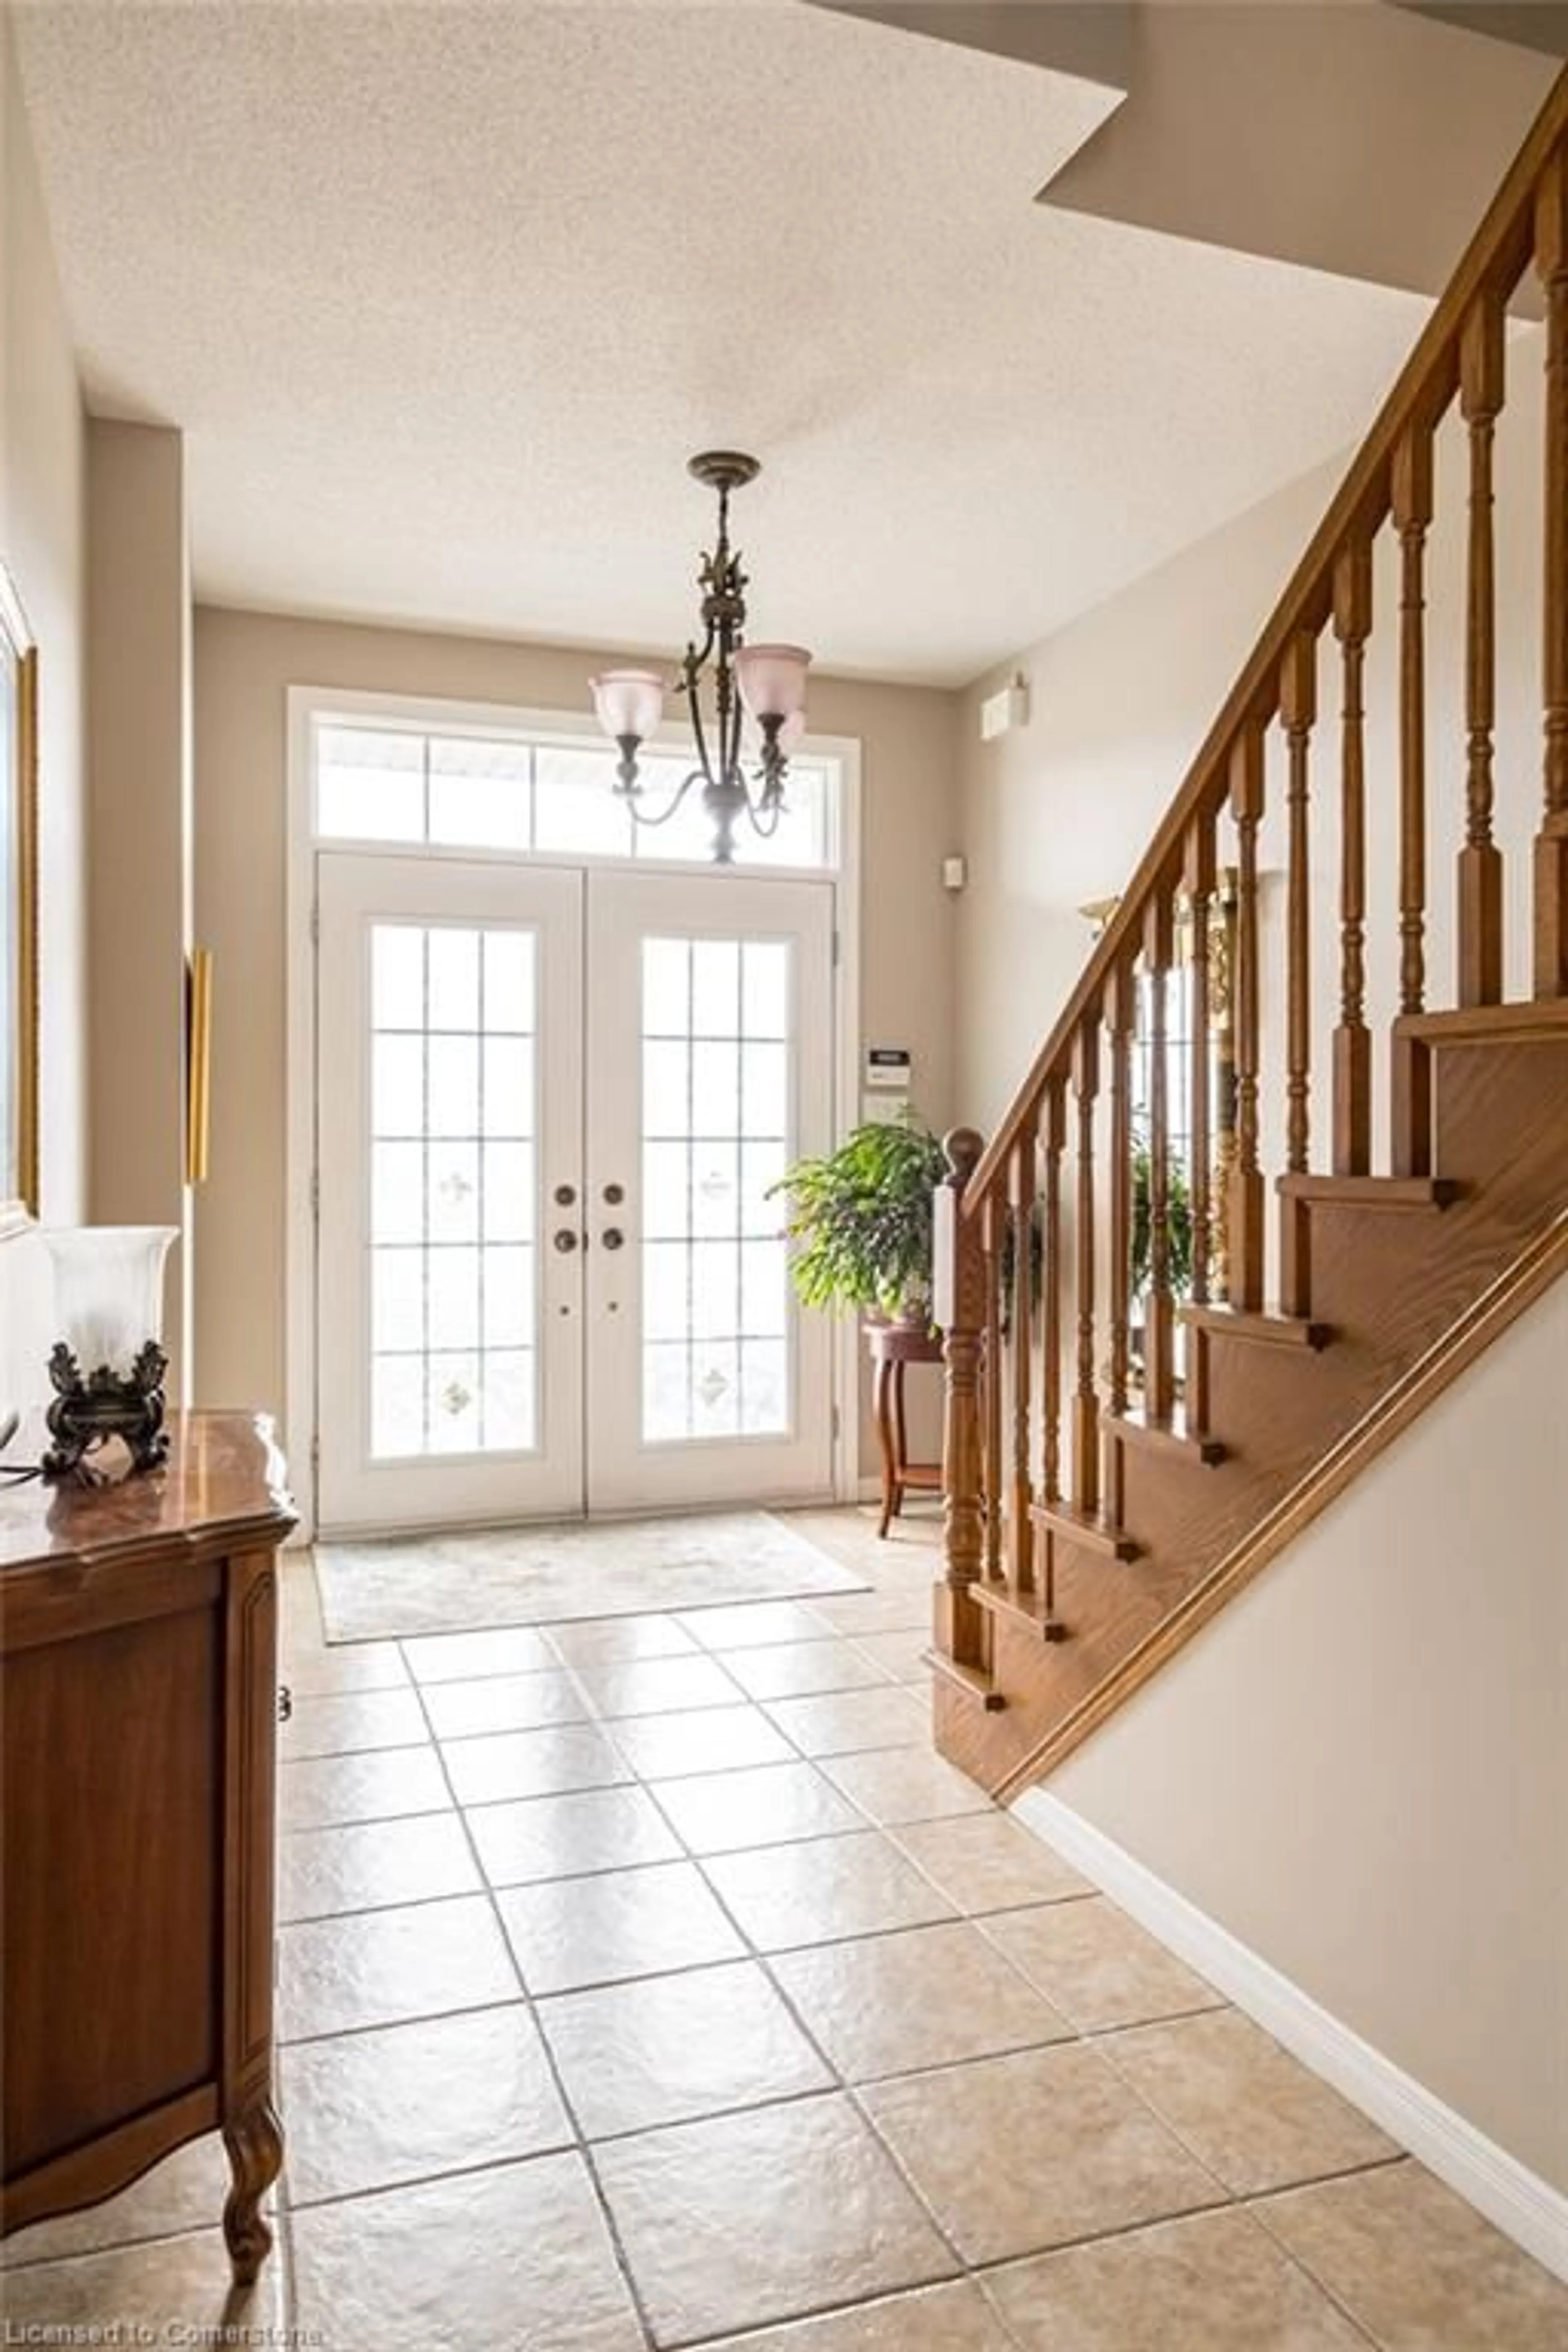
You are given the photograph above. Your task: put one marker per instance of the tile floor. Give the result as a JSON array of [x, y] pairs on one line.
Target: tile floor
[[649, 1982]]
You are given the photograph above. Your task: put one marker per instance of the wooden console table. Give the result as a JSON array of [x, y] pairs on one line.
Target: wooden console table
[[138, 1730], [892, 1347]]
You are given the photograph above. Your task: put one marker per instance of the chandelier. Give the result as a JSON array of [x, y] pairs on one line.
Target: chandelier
[[764, 683]]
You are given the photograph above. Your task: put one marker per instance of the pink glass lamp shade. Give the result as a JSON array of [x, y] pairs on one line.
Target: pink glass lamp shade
[[629, 702], [771, 679]]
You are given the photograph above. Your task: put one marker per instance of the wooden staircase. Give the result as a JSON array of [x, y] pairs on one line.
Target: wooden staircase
[[1103, 1500]]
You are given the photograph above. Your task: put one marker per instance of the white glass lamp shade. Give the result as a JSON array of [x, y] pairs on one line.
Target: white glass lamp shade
[[629, 702], [771, 679], [109, 1291]]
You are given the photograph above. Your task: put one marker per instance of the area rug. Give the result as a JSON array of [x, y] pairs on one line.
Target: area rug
[[466, 1581]]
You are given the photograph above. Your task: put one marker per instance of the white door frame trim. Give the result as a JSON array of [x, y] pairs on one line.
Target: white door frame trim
[[305, 705]]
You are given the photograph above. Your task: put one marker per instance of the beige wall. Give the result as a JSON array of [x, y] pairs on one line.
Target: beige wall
[[41, 541], [1361, 1770], [139, 623], [244, 662], [1056, 814]]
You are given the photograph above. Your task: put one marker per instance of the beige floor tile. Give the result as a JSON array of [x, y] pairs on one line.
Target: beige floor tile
[[750, 1624], [378, 1784], [566, 1933], [467, 1657], [338, 1725], [184, 2193], [706, 1739], [905, 1609], [543, 1763], [404, 2102], [141, 2292], [1014, 2155], [1099, 1967], [721, 1811], [905, 1784], [800, 1669], [373, 1865], [611, 1641], [518, 2257], [561, 1837], [836, 1723], [955, 2318], [347, 1666], [817, 1891], [1215, 2283], [924, 1996], [911, 1546], [987, 1862], [744, 2219], [664, 2050], [300, 1607], [1243, 2105], [502, 1703], [657, 1685], [1417, 2266], [378, 1967], [902, 1655]]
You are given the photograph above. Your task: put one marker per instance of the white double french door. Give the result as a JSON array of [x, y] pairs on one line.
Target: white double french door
[[552, 1103]]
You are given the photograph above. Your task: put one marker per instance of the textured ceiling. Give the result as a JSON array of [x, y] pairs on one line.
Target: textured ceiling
[[443, 296]]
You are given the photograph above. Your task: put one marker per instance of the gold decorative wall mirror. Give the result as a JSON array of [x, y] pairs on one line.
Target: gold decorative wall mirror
[[18, 910]]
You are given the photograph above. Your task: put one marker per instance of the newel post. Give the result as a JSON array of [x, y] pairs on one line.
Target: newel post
[[958, 1308]]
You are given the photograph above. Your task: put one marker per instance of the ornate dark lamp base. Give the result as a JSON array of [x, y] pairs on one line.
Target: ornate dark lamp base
[[86, 1413]]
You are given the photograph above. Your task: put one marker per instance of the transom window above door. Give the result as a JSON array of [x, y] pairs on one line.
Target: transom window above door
[[530, 793]]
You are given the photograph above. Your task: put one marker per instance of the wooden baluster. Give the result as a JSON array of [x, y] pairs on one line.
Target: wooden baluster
[[1550, 876], [1411, 1122], [1085, 1399], [1297, 710], [1200, 883], [1021, 1313], [1352, 1039], [1480, 862], [1159, 1314], [991, 1212], [1244, 1210], [1053, 1134], [1121, 1020], [958, 1307]]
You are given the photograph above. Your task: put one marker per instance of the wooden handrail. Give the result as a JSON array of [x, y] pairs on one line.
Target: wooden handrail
[[1493, 263]]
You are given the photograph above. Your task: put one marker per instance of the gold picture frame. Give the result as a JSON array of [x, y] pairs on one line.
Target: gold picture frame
[[18, 910], [198, 1063]]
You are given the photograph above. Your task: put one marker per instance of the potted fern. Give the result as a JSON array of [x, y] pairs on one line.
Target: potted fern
[[860, 1219]]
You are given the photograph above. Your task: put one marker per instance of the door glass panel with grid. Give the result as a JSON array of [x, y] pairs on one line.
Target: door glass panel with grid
[[449, 1111], [710, 1020]]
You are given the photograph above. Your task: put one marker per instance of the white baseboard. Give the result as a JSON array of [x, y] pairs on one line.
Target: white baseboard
[[1524, 2207]]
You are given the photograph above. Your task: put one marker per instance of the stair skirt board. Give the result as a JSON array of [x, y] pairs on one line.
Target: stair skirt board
[[1517, 2202]]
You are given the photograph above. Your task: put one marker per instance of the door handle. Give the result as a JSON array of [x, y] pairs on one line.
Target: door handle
[[615, 1194], [565, 1240], [613, 1237]]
